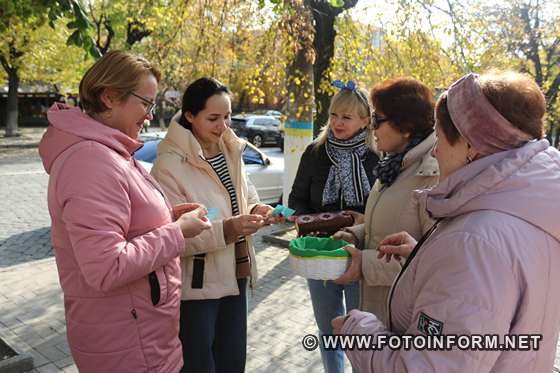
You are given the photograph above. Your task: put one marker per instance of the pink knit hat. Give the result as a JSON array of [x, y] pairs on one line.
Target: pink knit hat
[[484, 128]]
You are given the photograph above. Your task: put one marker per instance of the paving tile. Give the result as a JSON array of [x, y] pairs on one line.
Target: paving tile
[[63, 347], [49, 368], [63, 363], [71, 369], [51, 352], [31, 301], [38, 359]]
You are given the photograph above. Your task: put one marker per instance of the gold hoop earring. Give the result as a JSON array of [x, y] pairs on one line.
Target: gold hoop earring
[[469, 158]]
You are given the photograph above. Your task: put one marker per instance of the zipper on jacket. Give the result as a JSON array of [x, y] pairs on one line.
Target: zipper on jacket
[[135, 315], [405, 266]]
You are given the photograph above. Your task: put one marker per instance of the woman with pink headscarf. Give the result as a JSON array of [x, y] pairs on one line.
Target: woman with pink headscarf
[[489, 264]]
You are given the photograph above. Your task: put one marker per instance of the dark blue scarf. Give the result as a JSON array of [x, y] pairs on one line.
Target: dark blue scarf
[[388, 169], [347, 176]]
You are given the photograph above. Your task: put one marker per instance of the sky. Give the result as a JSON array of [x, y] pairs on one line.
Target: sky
[[374, 11], [382, 13]]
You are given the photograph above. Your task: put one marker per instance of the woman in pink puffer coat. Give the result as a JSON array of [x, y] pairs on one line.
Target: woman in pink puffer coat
[[490, 264], [116, 247]]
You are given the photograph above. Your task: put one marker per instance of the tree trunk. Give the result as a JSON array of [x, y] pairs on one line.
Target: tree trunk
[[298, 129], [324, 16], [12, 107], [300, 88], [323, 44]]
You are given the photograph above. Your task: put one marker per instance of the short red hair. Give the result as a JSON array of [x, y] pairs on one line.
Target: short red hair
[[408, 103]]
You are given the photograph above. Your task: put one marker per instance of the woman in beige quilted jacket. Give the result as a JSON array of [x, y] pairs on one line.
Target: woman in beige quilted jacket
[[403, 124]]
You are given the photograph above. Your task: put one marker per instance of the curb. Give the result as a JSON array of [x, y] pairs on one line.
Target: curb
[[20, 362], [276, 241], [275, 237], [19, 146]]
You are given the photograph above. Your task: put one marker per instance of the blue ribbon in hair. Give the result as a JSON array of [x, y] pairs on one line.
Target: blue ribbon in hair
[[351, 85]]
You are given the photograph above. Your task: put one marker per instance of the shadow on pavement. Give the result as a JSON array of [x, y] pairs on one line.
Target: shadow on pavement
[[269, 281], [274, 278], [25, 247], [35, 325]]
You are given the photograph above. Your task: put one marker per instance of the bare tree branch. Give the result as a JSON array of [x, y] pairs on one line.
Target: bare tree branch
[[532, 50], [552, 91], [5, 63]]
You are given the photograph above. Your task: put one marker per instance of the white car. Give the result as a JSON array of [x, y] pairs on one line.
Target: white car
[[265, 172]]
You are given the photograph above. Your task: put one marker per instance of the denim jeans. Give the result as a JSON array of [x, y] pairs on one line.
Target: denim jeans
[[327, 299], [214, 333]]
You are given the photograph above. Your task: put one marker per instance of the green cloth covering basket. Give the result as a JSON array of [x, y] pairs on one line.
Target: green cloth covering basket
[[318, 258]]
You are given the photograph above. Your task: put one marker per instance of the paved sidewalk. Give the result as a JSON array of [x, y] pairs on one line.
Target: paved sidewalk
[[31, 303], [27, 137], [22, 148], [280, 314]]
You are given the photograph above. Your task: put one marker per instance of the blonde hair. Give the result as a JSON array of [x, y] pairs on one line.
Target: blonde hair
[[351, 101], [116, 70]]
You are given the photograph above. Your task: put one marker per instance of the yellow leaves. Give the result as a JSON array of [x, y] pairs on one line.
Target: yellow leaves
[[54, 62]]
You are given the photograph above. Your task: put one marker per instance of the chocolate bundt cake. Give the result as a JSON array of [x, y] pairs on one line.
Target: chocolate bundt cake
[[325, 223]]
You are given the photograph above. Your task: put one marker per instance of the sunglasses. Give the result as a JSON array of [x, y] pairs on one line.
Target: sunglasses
[[150, 104], [376, 120]]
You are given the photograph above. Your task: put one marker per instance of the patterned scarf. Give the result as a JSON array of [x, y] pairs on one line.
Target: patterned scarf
[[388, 169], [347, 177]]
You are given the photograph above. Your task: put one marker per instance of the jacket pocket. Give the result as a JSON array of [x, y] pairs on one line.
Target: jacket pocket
[[198, 271], [158, 287], [155, 292]]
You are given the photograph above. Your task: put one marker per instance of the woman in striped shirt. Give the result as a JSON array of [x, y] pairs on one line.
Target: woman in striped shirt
[[200, 160]]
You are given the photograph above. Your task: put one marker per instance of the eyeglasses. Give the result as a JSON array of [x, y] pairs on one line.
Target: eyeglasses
[[150, 104], [376, 120]]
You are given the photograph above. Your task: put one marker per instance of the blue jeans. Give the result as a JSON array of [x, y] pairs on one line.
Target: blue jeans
[[214, 333], [327, 298]]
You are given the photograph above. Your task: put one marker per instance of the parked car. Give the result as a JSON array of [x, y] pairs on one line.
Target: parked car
[[278, 115], [265, 172], [148, 152], [271, 113], [258, 129]]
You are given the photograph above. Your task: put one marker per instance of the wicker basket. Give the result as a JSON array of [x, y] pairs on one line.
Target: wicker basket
[[318, 258]]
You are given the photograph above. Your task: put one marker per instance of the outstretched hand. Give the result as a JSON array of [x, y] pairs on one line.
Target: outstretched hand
[[357, 217], [182, 208], [397, 246], [346, 236], [354, 271], [265, 212], [337, 323], [192, 223]]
